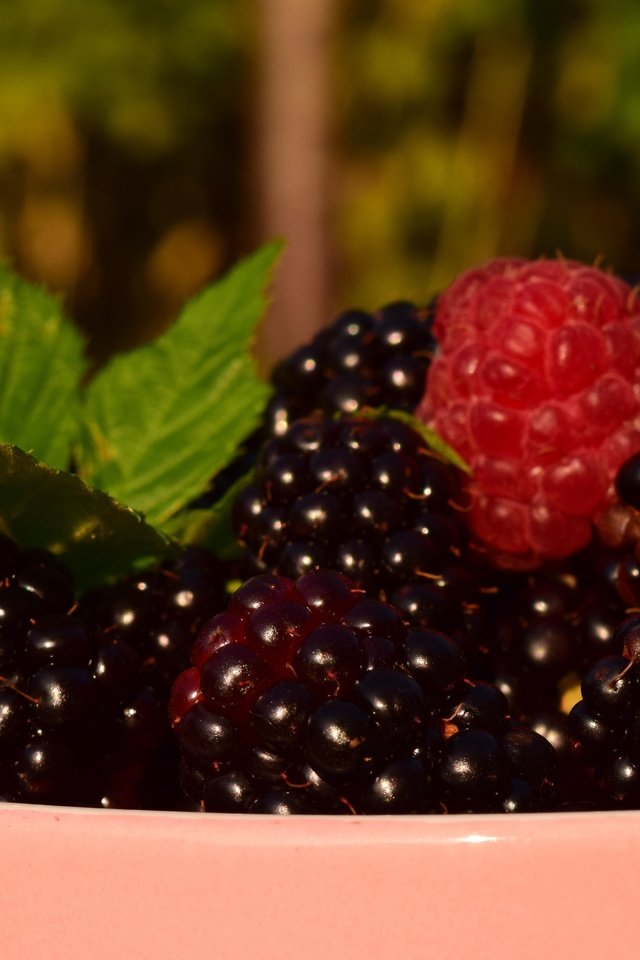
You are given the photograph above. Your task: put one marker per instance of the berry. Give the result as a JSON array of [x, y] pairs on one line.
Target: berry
[[475, 772], [604, 726], [369, 500], [535, 384], [84, 682], [360, 360], [610, 688], [339, 706]]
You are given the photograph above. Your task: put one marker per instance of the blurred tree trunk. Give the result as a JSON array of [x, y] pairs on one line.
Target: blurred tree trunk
[[292, 168]]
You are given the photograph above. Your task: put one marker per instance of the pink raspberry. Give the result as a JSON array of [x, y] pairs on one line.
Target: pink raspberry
[[536, 383]]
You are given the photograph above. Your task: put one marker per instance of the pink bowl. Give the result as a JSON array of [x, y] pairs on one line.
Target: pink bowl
[[91, 884]]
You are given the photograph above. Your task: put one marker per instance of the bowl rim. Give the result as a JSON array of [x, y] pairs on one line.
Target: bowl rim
[[247, 829]]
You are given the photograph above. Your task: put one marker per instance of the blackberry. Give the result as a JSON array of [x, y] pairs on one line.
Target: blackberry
[[604, 726], [84, 682], [153, 617], [539, 634], [367, 498], [51, 708], [360, 360], [310, 696], [158, 611], [535, 641], [543, 630]]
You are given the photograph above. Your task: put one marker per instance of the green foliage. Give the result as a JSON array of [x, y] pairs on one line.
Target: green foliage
[[136, 69], [148, 431], [210, 526], [41, 363], [463, 131], [480, 129], [164, 418], [52, 509]]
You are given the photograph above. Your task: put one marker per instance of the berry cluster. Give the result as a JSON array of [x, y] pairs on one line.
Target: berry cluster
[[312, 697], [359, 361], [84, 684], [405, 638], [362, 496]]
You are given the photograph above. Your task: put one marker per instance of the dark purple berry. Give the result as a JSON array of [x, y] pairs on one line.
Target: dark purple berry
[[610, 689], [335, 705], [475, 773]]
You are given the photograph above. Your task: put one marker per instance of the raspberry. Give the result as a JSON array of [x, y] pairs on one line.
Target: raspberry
[[536, 384], [309, 696]]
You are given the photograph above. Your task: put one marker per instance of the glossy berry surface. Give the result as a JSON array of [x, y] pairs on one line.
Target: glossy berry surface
[[84, 682], [308, 696], [604, 726], [535, 385], [360, 360], [365, 497]]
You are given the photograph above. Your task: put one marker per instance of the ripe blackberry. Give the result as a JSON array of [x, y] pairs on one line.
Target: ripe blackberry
[[534, 640], [154, 616], [365, 497], [84, 683], [605, 727], [309, 696], [535, 384], [541, 632], [360, 360], [158, 611], [50, 704]]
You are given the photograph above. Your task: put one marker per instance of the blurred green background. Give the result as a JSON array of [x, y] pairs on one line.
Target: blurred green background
[[145, 146]]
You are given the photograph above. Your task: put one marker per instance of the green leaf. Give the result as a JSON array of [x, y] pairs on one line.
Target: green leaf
[[41, 363], [162, 419], [52, 509], [210, 526]]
